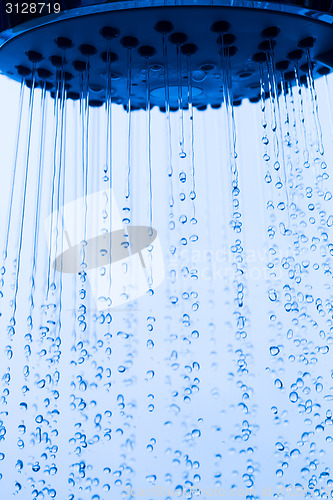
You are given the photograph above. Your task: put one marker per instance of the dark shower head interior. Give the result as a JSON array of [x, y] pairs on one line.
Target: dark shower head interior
[[102, 37]]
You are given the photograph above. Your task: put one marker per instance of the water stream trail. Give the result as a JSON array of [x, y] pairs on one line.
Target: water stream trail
[[191, 116], [286, 121], [306, 154], [85, 157], [129, 127], [148, 113], [287, 139], [108, 151], [56, 175], [38, 203], [313, 151], [314, 101], [54, 292], [12, 321], [149, 161], [84, 118], [170, 267], [329, 102], [319, 161], [13, 179], [182, 153], [62, 186], [297, 167], [276, 125], [168, 120], [265, 139]]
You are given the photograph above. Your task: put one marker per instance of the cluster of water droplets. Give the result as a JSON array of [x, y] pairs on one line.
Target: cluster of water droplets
[[216, 378], [299, 274]]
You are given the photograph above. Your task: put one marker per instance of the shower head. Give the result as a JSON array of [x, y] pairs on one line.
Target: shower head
[[92, 37]]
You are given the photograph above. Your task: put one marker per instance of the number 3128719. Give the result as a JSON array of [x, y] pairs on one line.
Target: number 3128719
[[32, 8]]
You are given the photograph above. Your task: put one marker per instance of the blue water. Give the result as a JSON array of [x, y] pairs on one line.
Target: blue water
[[216, 381]]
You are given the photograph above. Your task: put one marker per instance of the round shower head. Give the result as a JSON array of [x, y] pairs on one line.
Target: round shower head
[[101, 37]]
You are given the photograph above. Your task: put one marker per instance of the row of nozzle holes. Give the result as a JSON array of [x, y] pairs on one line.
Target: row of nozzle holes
[[225, 39]]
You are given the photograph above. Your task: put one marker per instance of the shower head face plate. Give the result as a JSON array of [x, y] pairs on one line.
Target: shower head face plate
[[88, 48]]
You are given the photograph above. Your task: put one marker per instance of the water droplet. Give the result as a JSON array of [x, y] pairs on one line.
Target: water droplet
[[293, 396]]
